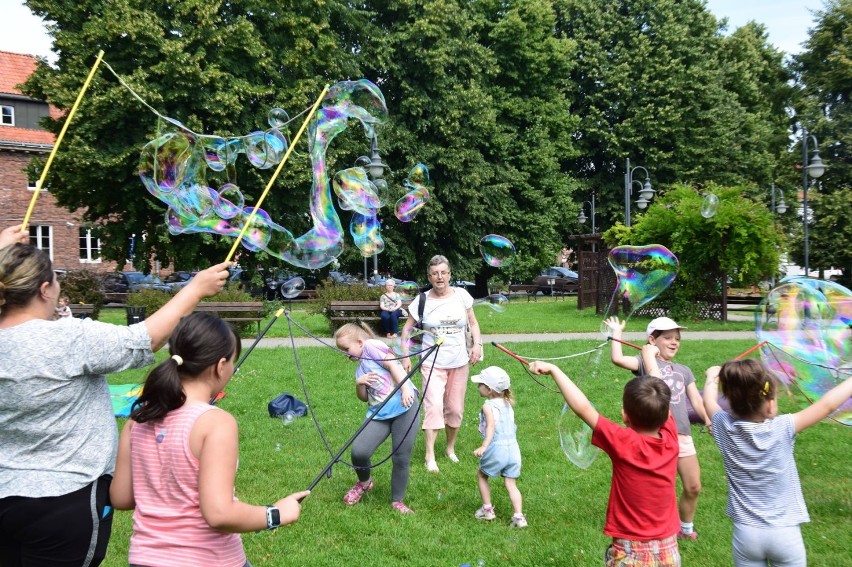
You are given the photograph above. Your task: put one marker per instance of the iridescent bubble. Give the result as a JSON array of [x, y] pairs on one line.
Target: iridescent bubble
[[410, 204], [496, 250], [277, 117], [575, 438], [806, 325], [413, 344], [230, 202], [265, 149], [643, 273], [228, 152], [288, 418], [363, 162], [212, 146], [709, 205], [355, 192], [496, 302], [292, 288], [407, 290]]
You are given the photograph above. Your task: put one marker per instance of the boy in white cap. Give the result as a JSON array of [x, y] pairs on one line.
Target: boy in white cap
[[499, 453], [664, 333]]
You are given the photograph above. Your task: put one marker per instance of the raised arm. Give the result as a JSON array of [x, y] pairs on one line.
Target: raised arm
[[649, 360], [711, 392], [576, 399], [616, 327], [13, 235], [824, 406], [205, 284]]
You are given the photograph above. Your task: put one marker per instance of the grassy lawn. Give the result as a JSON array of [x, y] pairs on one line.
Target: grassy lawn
[[565, 505], [547, 315]]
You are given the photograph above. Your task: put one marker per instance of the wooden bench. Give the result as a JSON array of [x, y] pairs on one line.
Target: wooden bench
[[341, 312], [81, 310], [530, 291], [304, 295], [233, 312], [561, 289]]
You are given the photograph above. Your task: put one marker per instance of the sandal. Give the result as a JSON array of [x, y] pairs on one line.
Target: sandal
[[432, 466], [356, 492], [400, 507], [452, 457]]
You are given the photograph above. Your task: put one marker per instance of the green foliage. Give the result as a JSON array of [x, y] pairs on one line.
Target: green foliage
[[329, 291], [83, 286], [150, 299]]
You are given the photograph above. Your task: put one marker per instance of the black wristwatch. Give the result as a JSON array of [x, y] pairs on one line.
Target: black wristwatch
[[273, 517]]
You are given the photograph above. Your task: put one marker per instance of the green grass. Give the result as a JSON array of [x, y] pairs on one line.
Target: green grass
[[565, 505], [547, 315]]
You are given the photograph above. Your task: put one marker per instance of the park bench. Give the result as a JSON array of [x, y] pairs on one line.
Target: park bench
[[233, 311], [341, 312], [562, 289], [528, 291], [81, 310]]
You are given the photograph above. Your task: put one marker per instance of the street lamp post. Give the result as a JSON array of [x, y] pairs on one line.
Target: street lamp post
[[781, 207], [815, 169], [375, 171], [582, 216], [645, 194]]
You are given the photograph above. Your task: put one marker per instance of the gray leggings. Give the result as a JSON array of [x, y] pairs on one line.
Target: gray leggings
[[758, 547], [375, 434]]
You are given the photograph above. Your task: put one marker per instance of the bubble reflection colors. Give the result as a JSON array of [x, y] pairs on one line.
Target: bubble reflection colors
[[418, 193], [709, 205], [575, 438], [496, 302], [806, 323], [175, 166], [407, 290], [292, 288], [288, 418], [496, 250], [643, 273]]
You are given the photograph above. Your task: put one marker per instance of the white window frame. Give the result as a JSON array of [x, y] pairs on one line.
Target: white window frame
[[7, 111], [42, 231], [93, 243]]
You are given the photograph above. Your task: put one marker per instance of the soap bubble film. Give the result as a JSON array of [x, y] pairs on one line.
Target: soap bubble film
[[575, 438], [496, 250], [709, 205], [806, 323]]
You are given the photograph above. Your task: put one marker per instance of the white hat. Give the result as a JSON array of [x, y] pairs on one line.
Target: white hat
[[494, 377], [662, 324]]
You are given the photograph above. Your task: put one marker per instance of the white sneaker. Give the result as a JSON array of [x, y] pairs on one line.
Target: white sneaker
[[486, 514], [518, 521]]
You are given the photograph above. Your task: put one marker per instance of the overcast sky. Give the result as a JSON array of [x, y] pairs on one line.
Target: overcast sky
[[787, 22]]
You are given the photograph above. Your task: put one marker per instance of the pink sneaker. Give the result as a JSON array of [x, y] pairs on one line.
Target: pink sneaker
[[356, 492], [400, 507]]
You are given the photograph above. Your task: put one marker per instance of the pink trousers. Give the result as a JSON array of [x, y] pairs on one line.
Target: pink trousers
[[443, 396]]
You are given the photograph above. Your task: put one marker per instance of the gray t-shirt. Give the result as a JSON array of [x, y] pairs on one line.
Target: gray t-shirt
[[57, 430], [677, 377]]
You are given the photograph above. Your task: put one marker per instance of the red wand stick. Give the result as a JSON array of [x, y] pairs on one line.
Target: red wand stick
[[510, 353], [637, 347], [751, 350]]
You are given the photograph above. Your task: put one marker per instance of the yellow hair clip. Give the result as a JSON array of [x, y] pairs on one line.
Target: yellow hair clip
[[766, 388]]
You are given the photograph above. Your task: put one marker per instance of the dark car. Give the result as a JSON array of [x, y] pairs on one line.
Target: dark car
[[116, 285], [557, 278], [178, 280]]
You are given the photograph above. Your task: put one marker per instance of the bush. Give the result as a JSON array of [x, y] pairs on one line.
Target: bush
[[234, 293], [150, 299], [83, 286]]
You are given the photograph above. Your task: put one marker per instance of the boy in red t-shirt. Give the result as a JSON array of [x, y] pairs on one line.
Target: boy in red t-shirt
[[641, 516]]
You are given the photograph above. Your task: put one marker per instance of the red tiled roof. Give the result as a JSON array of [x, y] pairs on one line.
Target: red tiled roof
[[15, 68], [25, 135]]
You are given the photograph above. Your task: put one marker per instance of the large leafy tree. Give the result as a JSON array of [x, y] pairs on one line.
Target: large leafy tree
[[824, 75], [656, 82], [217, 67]]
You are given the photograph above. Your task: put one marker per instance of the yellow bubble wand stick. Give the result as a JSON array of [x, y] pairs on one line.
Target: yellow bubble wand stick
[[40, 183], [275, 175]]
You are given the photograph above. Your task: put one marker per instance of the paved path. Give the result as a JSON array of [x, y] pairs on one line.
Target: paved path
[[523, 338]]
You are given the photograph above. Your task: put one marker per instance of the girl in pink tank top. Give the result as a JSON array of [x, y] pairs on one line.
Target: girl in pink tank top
[[174, 443]]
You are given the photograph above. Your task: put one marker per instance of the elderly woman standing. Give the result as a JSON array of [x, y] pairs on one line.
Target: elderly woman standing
[[391, 305], [58, 437], [447, 312]]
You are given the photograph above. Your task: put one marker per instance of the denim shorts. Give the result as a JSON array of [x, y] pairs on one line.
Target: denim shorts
[[501, 459]]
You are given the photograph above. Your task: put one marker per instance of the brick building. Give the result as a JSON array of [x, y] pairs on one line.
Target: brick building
[[71, 245]]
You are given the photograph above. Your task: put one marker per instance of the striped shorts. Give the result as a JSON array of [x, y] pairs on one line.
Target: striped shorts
[[654, 553]]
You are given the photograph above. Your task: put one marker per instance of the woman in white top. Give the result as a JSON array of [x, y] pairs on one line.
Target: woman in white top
[[447, 313]]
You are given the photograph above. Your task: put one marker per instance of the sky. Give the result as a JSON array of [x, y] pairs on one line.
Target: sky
[[787, 22]]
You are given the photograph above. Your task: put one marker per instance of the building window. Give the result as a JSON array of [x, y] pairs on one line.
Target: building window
[[7, 115], [32, 182], [90, 247], [41, 236]]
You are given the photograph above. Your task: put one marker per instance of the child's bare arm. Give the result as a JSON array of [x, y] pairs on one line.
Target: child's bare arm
[[697, 403], [649, 360], [576, 399], [821, 408], [394, 366], [711, 392], [490, 427], [616, 354], [121, 488]]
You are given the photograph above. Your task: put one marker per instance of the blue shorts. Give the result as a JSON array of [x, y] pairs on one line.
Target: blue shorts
[[501, 459]]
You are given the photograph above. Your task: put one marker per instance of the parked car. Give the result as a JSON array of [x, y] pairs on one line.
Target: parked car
[[342, 278], [178, 280], [555, 276], [151, 281]]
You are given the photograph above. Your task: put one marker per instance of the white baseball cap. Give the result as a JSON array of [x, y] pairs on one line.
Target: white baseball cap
[[662, 324], [494, 377]]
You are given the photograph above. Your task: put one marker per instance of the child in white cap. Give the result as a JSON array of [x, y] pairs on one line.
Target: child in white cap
[[664, 333], [499, 453]]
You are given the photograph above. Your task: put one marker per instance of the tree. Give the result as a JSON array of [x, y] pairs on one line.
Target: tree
[[824, 76], [218, 67], [656, 82], [741, 239]]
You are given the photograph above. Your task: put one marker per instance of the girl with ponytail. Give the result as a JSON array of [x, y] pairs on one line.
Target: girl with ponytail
[[177, 458]]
